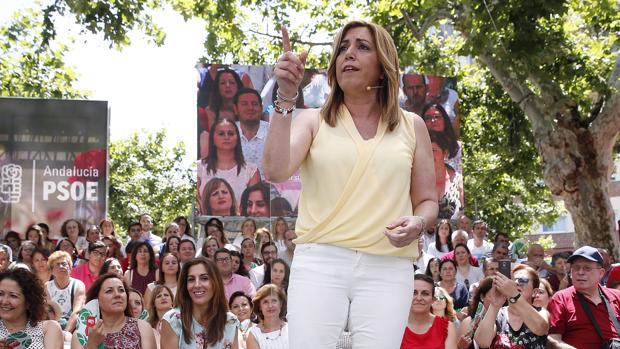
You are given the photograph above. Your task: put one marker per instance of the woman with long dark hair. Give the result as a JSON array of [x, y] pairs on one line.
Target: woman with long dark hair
[[143, 267], [443, 239], [169, 272], [277, 272], [226, 161], [200, 318]]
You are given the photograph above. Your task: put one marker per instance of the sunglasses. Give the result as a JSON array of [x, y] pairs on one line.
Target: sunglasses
[[522, 281]]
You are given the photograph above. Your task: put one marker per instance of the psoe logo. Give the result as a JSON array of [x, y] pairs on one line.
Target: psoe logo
[[10, 183]]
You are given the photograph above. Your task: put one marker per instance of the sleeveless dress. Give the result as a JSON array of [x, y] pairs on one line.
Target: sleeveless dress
[[434, 338], [508, 338], [271, 340], [30, 338], [127, 338], [173, 317], [140, 282], [64, 297]]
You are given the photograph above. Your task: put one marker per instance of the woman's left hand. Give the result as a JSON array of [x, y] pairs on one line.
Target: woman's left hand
[[404, 230], [504, 285]]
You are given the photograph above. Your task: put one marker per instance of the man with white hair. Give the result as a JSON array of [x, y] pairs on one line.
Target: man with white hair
[[460, 237]]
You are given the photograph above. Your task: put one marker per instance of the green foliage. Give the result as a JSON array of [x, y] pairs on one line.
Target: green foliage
[[146, 176], [27, 69]]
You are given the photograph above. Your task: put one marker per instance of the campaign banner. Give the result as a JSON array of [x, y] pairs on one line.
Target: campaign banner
[[234, 103], [435, 99], [53, 162]]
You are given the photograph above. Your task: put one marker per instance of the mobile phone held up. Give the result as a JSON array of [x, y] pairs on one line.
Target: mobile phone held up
[[504, 267]]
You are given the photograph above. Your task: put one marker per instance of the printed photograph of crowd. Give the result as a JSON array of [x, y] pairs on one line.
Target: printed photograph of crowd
[[234, 103]]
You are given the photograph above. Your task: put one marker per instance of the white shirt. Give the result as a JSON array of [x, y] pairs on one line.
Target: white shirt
[[257, 276], [432, 251], [478, 252], [237, 182], [474, 275], [253, 148]]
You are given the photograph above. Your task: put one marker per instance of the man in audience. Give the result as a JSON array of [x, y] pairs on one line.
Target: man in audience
[[287, 254], [502, 237], [414, 88], [428, 237], [187, 251], [464, 223], [489, 267], [248, 107], [570, 326], [232, 282], [422, 261], [147, 235], [89, 272], [134, 231], [269, 252], [536, 260], [500, 251], [477, 245], [460, 237]]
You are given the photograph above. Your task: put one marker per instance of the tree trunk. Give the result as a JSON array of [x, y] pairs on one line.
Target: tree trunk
[[577, 159], [576, 171]]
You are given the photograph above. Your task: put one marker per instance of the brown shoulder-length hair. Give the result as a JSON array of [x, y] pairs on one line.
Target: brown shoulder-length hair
[[153, 316], [266, 291], [95, 288], [214, 320], [387, 96]]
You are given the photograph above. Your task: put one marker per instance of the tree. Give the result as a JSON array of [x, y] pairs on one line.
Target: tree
[[30, 69], [147, 177]]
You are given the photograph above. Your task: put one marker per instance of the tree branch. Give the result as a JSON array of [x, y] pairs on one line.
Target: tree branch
[[308, 43], [606, 126], [532, 105], [418, 33]]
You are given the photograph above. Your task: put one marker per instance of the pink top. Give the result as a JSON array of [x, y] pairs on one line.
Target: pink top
[[239, 283]]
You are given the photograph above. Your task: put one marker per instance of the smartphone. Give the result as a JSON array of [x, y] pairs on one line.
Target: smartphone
[[504, 267], [90, 322]]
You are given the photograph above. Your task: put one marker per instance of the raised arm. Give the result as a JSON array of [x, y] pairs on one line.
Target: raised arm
[[288, 141]]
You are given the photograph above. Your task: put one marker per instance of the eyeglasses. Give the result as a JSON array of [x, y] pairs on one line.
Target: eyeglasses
[[440, 298], [97, 253], [522, 281], [61, 265], [585, 269], [223, 259]]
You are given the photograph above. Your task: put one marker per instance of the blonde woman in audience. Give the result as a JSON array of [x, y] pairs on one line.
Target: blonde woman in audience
[[136, 303], [161, 302], [278, 233], [248, 230], [272, 329], [66, 291], [444, 305]]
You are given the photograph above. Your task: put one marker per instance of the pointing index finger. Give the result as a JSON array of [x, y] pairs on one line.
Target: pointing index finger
[[286, 42]]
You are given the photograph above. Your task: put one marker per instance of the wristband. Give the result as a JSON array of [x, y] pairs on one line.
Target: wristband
[[279, 109], [423, 223], [287, 99]]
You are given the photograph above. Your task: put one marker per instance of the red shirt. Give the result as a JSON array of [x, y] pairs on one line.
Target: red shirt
[[434, 338], [83, 274], [568, 318]]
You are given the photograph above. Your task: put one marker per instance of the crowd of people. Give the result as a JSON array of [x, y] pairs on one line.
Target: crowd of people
[[188, 292], [179, 291], [472, 292]]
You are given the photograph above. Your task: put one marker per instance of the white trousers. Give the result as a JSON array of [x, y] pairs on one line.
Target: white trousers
[[331, 287]]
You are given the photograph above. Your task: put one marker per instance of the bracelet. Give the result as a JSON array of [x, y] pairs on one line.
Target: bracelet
[[279, 109], [423, 223], [287, 99]]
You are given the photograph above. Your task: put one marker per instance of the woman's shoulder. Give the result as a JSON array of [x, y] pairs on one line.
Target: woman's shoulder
[[51, 327], [172, 315]]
